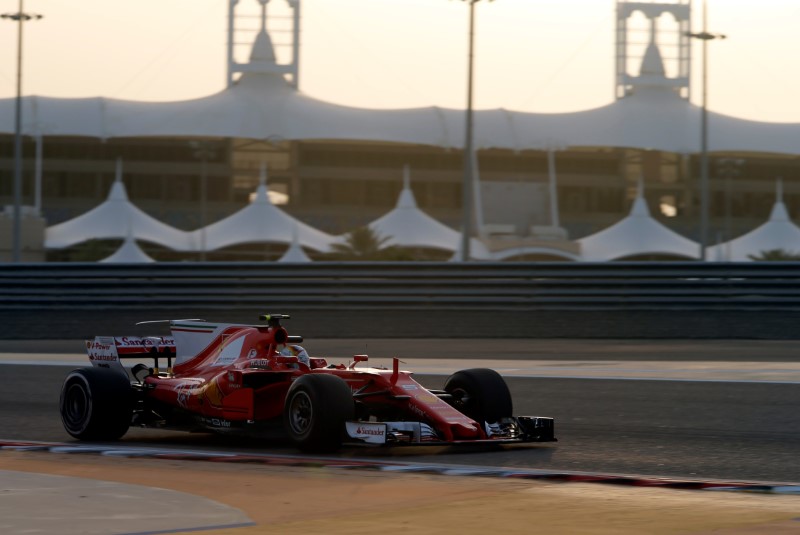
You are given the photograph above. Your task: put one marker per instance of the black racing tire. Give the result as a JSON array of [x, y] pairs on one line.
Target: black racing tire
[[316, 409], [480, 393], [96, 404]]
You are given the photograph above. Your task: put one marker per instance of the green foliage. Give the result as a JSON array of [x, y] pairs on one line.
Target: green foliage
[[775, 255], [364, 244]]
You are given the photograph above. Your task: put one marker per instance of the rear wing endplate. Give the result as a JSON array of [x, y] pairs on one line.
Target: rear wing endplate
[[107, 351]]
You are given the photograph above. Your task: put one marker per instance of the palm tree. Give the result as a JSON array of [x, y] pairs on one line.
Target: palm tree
[[365, 244], [775, 255]]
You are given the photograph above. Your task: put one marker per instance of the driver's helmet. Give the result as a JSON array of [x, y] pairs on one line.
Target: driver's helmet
[[296, 351]]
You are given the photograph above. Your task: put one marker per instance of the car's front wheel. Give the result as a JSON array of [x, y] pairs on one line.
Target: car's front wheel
[[96, 404], [480, 393], [316, 409]]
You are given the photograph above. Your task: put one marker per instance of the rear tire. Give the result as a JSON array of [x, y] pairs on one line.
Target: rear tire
[[316, 409], [96, 404], [480, 393]]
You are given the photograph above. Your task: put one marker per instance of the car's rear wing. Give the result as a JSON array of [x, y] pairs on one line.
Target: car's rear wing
[[107, 351]]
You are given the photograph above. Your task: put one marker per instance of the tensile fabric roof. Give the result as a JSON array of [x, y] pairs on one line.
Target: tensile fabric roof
[[635, 235], [778, 232], [408, 226], [295, 253], [128, 253], [262, 105], [260, 222], [116, 218]]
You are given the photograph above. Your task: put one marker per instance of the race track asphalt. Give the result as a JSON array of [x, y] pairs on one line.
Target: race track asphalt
[[727, 430]]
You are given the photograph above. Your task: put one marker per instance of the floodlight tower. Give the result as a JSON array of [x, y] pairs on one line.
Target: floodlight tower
[[240, 31], [19, 17], [651, 45]]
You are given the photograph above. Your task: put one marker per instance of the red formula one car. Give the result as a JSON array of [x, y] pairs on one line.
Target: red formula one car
[[254, 378]]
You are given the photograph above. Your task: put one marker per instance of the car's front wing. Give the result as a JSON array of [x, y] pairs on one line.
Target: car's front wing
[[508, 431]]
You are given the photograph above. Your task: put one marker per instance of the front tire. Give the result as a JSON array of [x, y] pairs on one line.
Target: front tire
[[96, 404], [480, 393], [316, 409]]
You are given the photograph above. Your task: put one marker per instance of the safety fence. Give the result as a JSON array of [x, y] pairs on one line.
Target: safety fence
[[608, 300], [490, 286]]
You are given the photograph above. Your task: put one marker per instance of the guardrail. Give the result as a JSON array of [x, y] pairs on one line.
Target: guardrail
[[355, 300], [490, 286]]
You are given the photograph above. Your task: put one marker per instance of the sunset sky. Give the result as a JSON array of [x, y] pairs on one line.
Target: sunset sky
[[532, 55]]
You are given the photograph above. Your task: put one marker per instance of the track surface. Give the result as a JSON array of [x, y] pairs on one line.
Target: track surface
[[741, 431]]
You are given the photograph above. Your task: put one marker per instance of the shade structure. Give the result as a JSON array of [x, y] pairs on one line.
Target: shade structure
[[636, 235], [295, 253], [260, 222], [116, 218], [128, 253], [408, 226], [505, 254], [778, 232], [262, 105]]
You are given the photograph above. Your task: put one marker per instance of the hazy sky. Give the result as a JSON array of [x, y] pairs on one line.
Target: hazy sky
[[532, 55]]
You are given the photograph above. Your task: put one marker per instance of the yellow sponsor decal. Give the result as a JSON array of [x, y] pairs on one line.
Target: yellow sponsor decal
[[426, 397]]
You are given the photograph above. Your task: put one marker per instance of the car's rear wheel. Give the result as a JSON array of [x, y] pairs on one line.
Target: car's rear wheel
[[96, 404], [316, 409], [480, 393]]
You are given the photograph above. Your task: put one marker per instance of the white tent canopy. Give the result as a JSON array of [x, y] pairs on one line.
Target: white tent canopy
[[408, 226], [635, 235], [778, 232], [262, 105], [295, 253], [116, 217], [505, 254], [128, 253], [260, 222]]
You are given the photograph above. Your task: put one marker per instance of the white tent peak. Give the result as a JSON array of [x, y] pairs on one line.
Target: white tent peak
[[128, 253], [262, 192], [408, 226], [778, 232], [116, 217], [406, 200], [294, 253], [639, 207], [263, 51], [652, 63], [264, 76], [779, 211], [118, 191], [637, 234], [262, 222]]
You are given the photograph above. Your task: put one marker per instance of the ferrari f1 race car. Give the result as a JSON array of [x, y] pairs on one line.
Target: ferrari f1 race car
[[255, 378]]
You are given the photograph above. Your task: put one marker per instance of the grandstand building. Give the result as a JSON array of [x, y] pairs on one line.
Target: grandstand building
[[192, 163]]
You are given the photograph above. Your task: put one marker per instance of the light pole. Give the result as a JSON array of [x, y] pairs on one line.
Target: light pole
[[729, 168], [16, 246], [203, 150], [467, 198], [705, 37]]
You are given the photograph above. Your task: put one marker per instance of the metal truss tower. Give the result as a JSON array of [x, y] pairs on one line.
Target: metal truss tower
[[286, 26], [656, 50]]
